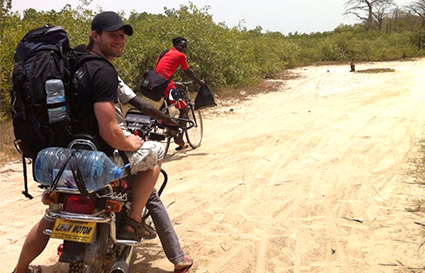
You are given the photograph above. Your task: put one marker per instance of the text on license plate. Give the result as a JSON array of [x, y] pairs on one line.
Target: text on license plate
[[73, 231]]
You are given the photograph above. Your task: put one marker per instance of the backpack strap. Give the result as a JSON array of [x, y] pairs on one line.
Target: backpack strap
[[24, 171], [88, 57], [24, 167], [162, 54], [77, 60], [17, 79], [37, 128]]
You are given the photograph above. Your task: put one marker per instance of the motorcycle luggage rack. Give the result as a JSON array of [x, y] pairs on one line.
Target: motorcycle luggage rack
[[82, 144], [78, 217]]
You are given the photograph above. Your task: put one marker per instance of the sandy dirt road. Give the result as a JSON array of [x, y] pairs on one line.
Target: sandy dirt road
[[308, 179]]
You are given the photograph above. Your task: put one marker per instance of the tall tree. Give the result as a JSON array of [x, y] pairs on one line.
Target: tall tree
[[5, 6], [418, 8], [367, 10], [382, 10]]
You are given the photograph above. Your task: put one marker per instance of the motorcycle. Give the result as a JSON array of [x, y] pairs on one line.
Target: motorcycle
[[88, 223]]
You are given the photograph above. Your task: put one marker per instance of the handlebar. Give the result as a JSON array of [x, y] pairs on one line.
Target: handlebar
[[189, 124], [184, 83], [146, 127]]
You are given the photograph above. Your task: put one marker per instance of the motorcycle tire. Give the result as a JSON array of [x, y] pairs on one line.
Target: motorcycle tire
[[82, 267], [77, 268]]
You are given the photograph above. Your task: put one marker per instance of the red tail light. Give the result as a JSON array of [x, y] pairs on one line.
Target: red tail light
[[60, 250], [79, 204]]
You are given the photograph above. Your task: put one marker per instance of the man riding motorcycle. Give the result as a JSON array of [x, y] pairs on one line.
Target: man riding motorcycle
[[107, 40]]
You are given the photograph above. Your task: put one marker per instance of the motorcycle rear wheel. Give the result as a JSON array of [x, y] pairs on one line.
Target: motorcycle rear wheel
[[79, 267], [96, 265]]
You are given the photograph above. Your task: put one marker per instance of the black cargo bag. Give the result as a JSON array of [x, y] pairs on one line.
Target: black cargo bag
[[153, 85], [39, 56], [204, 98]]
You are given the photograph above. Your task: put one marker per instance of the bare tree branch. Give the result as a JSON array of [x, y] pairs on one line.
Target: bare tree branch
[[369, 11]]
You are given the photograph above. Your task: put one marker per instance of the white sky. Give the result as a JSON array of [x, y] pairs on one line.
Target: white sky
[[304, 16]]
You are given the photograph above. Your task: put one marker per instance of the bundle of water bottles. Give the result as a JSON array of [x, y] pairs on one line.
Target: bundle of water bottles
[[96, 168]]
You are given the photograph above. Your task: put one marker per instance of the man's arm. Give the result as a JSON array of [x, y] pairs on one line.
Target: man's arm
[[191, 75], [151, 111], [110, 131]]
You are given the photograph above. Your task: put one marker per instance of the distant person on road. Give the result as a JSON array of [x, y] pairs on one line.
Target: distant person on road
[[167, 65], [352, 67]]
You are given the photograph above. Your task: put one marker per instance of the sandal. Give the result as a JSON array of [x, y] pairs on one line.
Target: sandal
[[140, 229], [187, 260], [32, 269], [181, 147]]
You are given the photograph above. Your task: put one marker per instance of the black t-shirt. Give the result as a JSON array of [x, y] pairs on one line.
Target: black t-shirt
[[95, 81]]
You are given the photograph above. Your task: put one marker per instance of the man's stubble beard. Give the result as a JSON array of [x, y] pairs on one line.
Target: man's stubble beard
[[109, 52]]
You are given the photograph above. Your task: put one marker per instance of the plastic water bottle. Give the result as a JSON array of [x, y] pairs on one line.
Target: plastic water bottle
[[96, 168], [55, 93]]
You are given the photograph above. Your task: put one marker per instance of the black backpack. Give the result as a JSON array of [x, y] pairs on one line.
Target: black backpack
[[42, 55], [43, 58]]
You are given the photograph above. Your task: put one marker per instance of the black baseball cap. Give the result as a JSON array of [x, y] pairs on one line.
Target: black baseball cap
[[110, 21]]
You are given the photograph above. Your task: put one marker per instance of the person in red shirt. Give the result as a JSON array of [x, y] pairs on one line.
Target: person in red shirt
[[166, 67]]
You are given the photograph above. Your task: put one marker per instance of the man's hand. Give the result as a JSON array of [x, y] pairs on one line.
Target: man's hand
[[135, 141], [202, 83], [191, 75]]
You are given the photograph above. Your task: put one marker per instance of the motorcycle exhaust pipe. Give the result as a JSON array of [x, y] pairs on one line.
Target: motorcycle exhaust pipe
[[120, 267]]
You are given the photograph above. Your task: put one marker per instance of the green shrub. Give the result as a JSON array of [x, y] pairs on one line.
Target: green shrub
[[223, 56]]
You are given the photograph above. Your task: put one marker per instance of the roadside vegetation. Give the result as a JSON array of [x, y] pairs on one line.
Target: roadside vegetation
[[229, 58], [417, 171]]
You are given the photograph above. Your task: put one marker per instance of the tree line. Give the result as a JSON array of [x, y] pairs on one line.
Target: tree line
[[225, 56]]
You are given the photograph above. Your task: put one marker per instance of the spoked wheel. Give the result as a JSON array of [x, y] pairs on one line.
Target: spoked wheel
[[167, 144], [194, 135]]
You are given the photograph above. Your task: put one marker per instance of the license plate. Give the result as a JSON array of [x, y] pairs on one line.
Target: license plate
[[67, 230]]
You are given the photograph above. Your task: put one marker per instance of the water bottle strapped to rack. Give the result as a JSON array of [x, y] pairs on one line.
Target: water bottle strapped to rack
[[85, 170], [75, 172]]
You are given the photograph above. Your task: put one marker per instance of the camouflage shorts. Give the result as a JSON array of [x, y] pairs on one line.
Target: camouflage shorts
[[146, 158]]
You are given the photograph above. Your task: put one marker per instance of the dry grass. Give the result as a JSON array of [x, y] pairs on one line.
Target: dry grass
[[417, 174], [417, 170], [376, 70], [8, 151]]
